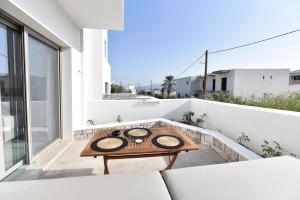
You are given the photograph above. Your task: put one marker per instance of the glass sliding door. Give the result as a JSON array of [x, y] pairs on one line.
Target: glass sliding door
[[29, 94], [44, 93], [12, 126]]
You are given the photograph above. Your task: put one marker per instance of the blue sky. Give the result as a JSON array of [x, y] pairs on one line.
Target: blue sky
[[163, 37]]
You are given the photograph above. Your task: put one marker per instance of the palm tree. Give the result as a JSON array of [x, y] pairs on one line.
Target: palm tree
[[162, 91], [168, 85]]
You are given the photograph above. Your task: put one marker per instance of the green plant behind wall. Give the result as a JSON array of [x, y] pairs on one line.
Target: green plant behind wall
[[90, 122], [187, 119], [285, 101], [200, 121], [273, 149], [243, 139], [119, 119]]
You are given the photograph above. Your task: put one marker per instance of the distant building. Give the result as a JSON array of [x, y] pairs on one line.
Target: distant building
[[132, 89], [294, 80], [192, 86], [241, 82], [295, 77]]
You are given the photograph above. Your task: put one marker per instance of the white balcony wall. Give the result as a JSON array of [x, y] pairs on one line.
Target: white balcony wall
[[258, 123], [107, 111]]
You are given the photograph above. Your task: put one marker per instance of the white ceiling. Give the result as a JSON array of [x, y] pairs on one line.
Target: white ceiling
[[96, 14]]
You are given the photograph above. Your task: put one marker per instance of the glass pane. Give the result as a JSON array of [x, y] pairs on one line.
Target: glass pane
[[43, 70], [12, 99]]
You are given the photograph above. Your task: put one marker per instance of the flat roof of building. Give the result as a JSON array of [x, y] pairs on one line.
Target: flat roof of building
[[221, 71]]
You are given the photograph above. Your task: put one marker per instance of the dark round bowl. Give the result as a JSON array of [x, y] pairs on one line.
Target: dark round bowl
[[126, 133], [116, 133]]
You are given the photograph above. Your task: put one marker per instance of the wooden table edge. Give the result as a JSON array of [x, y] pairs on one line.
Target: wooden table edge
[[115, 153]]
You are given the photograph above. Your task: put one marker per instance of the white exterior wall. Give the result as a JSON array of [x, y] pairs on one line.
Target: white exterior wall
[[209, 83], [195, 86], [96, 67], [49, 19], [67, 93], [249, 82], [230, 81], [84, 67], [182, 88]]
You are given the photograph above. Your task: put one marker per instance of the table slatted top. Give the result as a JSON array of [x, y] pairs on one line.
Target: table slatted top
[[145, 147]]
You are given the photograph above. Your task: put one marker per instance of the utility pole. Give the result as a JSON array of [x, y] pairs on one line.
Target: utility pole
[[151, 87], [205, 75]]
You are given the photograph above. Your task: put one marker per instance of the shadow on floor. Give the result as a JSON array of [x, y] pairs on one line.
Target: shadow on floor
[[66, 173], [203, 156], [34, 174]]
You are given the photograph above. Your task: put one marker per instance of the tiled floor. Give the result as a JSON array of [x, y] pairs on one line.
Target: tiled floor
[[70, 164]]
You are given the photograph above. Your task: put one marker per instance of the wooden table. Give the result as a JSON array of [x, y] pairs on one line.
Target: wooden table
[[141, 150]]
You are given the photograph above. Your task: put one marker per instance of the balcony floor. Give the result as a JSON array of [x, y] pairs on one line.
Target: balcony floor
[[70, 164]]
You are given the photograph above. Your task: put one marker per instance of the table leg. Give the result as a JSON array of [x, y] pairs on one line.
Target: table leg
[[171, 162], [105, 160]]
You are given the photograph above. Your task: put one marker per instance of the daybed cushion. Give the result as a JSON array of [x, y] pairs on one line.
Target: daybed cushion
[[146, 186], [273, 178]]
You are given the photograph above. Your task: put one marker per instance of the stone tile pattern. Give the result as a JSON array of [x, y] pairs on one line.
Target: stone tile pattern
[[218, 146], [119, 96], [123, 96]]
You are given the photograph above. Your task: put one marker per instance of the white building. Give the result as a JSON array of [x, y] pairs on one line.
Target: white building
[[192, 86], [65, 66], [132, 89], [295, 77], [239, 82], [252, 82]]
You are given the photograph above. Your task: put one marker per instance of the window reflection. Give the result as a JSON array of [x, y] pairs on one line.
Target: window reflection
[[11, 85], [43, 70]]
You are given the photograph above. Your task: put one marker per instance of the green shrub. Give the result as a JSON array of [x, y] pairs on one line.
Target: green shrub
[[187, 119], [285, 101], [90, 122], [163, 96], [243, 139], [274, 150], [119, 119]]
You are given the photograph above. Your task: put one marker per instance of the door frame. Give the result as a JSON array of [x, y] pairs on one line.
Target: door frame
[[25, 31]]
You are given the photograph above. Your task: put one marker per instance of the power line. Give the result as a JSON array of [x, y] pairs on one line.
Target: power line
[[124, 79], [236, 47], [144, 82], [252, 43], [190, 66]]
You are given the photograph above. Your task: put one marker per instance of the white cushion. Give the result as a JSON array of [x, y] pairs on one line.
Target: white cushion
[[273, 178], [146, 186]]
